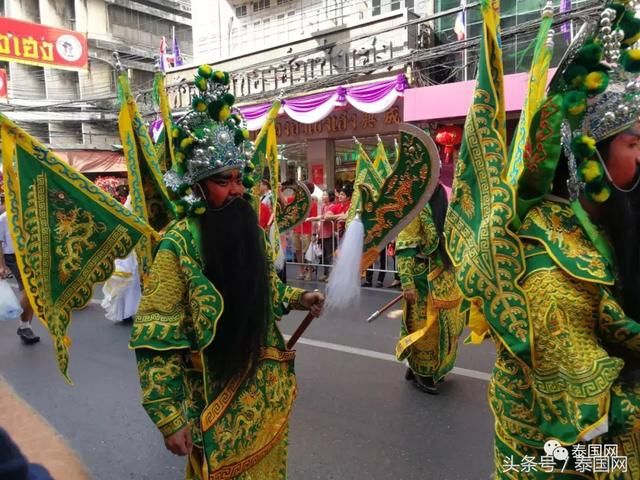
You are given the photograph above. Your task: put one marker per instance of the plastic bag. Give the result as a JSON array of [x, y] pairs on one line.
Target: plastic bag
[[10, 308], [317, 249], [310, 255]]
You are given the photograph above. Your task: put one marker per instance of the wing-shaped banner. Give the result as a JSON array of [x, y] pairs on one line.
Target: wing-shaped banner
[[365, 174], [402, 195], [297, 210], [164, 145], [66, 231], [488, 257], [149, 197]]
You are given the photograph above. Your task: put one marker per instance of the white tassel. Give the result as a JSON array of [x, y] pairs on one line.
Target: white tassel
[[280, 259], [278, 262], [343, 287]]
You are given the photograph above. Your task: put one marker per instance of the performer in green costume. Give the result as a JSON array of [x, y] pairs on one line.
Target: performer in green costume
[[545, 242], [216, 377], [431, 322]]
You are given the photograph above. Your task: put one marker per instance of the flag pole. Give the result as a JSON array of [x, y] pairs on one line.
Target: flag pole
[[466, 53]]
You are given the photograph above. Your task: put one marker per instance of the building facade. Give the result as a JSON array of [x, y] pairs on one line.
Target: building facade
[[77, 109], [293, 48]]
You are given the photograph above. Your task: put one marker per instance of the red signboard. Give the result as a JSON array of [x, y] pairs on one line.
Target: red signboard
[[3, 83], [36, 44], [317, 174]]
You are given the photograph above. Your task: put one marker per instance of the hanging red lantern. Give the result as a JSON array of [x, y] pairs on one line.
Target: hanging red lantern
[[449, 136]]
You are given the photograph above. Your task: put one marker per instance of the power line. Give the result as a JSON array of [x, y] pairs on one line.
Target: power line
[[587, 8]]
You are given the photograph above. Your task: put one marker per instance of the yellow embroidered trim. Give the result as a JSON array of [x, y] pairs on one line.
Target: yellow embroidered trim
[[172, 424], [435, 273], [122, 274], [232, 471]]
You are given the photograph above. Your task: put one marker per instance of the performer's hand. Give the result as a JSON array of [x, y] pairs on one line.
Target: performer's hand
[[314, 301], [410, 295], [179, 443]]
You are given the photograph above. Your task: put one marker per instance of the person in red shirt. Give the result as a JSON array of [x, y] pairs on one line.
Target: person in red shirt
[[339, 213], [302, 236], [264, 216], [325, 230]]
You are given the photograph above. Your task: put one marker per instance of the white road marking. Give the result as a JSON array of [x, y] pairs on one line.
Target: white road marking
[[363, 352], [465, 372]]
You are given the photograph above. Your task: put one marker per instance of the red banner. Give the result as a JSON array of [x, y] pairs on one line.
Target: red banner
[[3, 83], [317, 174], [36, 44]]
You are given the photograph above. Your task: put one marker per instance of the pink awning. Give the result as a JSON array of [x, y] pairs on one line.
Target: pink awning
[[94, 161], [372, 98], [452, 100]]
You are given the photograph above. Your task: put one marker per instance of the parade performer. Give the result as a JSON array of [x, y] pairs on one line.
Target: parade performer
[[545, 244], [431, 322], [216, 377], [385, 200], [122, 292]]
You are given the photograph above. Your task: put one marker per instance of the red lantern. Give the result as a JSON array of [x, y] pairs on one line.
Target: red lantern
[[449, 136]]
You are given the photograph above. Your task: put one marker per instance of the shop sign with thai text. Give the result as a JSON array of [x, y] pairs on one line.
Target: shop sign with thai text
[[40, 45], [340, 125]]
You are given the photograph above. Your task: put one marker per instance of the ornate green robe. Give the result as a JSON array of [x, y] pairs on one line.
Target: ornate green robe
[[240, 427], [571, 390], [431, 327]]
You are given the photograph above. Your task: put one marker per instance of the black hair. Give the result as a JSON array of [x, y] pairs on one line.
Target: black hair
[[439, 205]]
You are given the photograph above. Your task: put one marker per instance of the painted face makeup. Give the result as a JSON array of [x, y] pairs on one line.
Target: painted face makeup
[[221, 189]]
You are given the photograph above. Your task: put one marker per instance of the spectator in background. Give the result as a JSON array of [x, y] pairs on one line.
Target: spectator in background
[[9, 265], [341, 210], [325, 230], [266, 195], [302, 236], [382, 259]]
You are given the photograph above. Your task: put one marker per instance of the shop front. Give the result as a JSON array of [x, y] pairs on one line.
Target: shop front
[[316, 132]]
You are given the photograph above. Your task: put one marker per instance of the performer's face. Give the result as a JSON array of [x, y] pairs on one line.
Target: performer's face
[[623, 157], [622, 219], [221, 189]]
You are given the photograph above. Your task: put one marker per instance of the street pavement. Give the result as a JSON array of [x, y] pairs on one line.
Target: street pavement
[[355, 417]]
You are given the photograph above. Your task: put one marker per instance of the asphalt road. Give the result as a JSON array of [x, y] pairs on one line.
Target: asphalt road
[[355, 417]]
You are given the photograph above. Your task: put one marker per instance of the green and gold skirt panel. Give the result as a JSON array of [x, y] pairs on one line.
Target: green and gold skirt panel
[[246, 423], [431, 327]]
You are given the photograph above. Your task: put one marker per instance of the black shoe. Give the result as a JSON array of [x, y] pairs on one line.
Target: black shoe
[[366, 284], [27, 336], [379, 284], [409, 375], [426, 385]]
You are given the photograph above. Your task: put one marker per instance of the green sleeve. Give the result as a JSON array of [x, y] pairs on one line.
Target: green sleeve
[[162, 388], [285, 298], [406, 259], [615, 327]]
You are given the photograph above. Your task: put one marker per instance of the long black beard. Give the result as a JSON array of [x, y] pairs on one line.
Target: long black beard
[[234, 261], [622, 224]]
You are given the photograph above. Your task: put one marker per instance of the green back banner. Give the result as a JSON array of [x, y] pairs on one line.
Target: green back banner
[[402, 195], [297, 210], [488, 257], [66, 231]]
